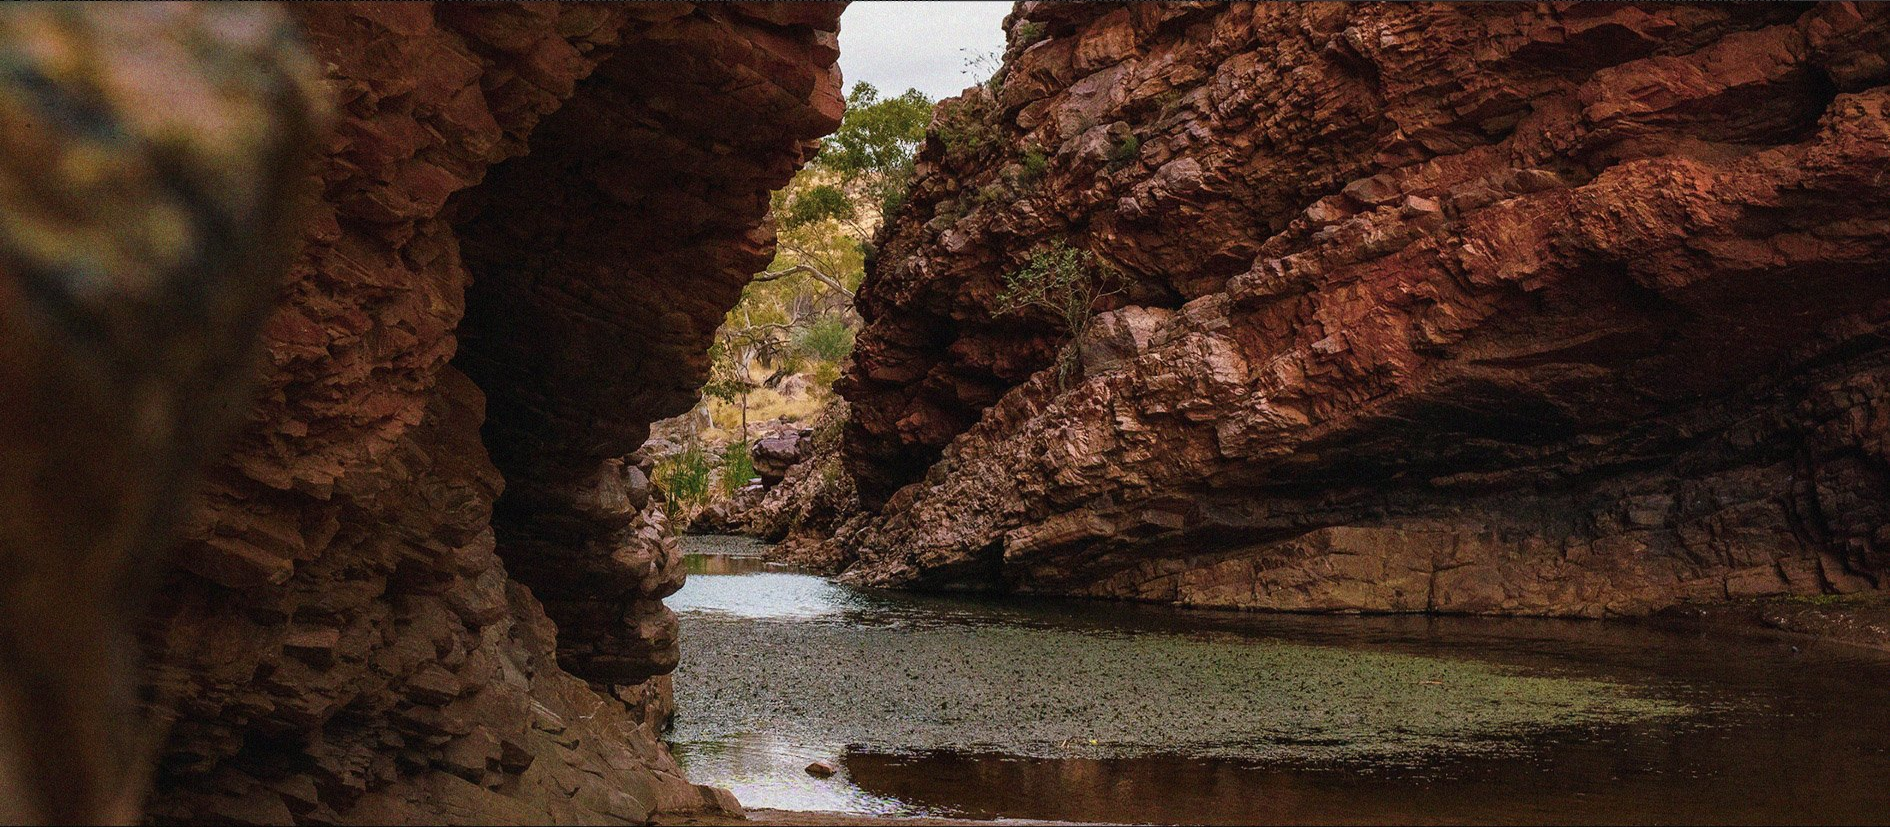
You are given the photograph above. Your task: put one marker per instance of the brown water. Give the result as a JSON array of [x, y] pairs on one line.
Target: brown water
[[1083, 711]]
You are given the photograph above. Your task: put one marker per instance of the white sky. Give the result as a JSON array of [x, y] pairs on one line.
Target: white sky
[[898, 45]]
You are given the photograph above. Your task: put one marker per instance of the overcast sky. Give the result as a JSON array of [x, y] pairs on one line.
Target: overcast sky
[[899, 45]]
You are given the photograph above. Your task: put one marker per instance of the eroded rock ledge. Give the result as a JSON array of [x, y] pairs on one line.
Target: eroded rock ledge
[[1574, 309], [341, 640]]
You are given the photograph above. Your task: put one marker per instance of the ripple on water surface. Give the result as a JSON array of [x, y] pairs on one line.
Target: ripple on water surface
[[780, 669]]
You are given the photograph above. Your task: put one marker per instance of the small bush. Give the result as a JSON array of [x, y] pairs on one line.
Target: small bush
[[889, 204], [947, 212], [1122, 152], [992, 193], [737, 467], [1035, 162], [826, 373], [963, 123], [684, 480], [1029, 32], [1067, 282], [828, 340]]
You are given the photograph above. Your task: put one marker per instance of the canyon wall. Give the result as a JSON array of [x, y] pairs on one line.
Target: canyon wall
[[1561, 309], [531, 219]]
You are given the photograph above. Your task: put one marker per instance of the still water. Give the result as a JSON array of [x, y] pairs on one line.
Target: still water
[[1084, 711]]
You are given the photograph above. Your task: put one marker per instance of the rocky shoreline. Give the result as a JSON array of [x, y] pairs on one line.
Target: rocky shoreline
[[1861, 620]]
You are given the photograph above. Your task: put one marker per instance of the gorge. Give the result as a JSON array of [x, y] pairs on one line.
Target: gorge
[[1561, 310]]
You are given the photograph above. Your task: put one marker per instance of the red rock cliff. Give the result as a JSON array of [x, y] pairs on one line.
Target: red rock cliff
[[1571, 309], [533, 217]]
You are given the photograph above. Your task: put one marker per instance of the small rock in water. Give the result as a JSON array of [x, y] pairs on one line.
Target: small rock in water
[[821, 769]]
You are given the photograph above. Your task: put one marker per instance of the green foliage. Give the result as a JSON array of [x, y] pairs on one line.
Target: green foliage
[[876, 136], [992, 193], [1062, 279], [815, 203], [797, 316], [826, 339], [826, 373], [873, 148], [894, 199], [1035, 162], [684, 480], [964, 124], [737, 467], [1122, 152], [1028, 32], [947, 212], [723, 382], [1067, 282]]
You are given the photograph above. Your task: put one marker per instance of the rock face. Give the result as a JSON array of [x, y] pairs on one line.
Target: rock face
[[1561, 309], [774, 456], [813, 499], [360, 627]]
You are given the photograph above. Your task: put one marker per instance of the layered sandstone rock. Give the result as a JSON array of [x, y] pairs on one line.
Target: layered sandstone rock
[[814, 497], [1556, 309], [776, 455], [355, 631]]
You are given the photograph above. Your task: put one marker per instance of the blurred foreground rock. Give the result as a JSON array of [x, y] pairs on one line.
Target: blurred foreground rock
[[153, 180]]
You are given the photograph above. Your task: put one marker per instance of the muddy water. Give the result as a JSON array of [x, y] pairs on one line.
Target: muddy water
[[1063, 710]]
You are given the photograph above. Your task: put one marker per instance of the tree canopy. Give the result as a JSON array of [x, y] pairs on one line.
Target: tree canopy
[[875, 135], [797, 316]]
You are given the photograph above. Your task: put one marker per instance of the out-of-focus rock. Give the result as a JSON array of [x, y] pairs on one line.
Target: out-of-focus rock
[[144, 219]]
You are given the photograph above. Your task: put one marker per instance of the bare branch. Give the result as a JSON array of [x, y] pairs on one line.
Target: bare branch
[[818, 274]]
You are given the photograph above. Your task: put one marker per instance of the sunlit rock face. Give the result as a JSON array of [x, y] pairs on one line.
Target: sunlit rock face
[[1572, 310], [351, 632]]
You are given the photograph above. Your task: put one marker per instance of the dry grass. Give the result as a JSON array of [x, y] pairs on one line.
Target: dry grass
[[763, 405]]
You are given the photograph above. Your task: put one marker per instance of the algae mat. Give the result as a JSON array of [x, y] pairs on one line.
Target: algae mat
[[809, 662]]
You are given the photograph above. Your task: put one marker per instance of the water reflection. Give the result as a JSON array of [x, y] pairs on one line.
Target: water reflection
[[1110, 712], [765, 770]]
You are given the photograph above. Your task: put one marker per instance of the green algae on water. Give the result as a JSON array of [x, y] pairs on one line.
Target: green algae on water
[[1059, 692]]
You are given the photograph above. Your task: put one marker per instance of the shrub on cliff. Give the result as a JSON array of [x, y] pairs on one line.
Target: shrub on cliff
[[1067, 282], [964, 124]]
